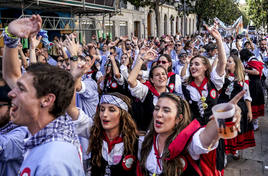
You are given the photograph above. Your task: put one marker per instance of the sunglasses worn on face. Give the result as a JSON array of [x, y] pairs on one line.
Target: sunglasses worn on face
[[163, 62]]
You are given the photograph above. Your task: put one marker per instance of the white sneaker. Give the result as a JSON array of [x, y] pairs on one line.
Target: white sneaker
[[255, 124], [225, 160]]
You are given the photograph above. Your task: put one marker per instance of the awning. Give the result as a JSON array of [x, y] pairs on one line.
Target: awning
[[73, 6], [84, 5]]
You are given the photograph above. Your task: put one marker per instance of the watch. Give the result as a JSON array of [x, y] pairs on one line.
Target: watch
[[74, 58]]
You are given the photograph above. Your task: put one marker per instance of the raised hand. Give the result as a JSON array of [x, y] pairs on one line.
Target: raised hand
[[213, 31], [79, 68], [111, 44], [71, 45], [135, 40], [24, 27], [124, 38], [150, 55], [19, 46], [167, 39], [34, 41]]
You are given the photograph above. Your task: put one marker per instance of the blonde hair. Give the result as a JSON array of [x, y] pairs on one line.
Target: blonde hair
[[239, 69]]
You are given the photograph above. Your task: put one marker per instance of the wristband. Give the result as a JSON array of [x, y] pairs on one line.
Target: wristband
[[8, 34], [10, 40]]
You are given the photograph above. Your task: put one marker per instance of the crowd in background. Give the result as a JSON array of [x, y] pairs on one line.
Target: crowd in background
[[146, 79]]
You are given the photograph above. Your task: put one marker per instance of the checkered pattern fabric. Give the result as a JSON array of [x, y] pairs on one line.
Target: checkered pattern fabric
[[110, 99], [60, 129]]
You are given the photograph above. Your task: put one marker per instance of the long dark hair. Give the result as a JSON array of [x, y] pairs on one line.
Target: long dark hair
[[128, 131], [175, 166]]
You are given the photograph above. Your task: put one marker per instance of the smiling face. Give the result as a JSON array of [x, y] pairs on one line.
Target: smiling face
[[197, 67], [110, 117], [159, 78], [165, 116], [25, 105]]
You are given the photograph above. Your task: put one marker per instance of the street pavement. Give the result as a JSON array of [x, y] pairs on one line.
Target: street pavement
[[253, 160]]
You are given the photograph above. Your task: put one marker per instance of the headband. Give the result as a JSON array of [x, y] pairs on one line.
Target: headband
[[110, 99]]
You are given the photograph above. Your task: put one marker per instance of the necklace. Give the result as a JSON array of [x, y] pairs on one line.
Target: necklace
[[200, 89]]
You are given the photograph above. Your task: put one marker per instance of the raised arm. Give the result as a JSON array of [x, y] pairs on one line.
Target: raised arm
[[250, 42], [23, 27], [115, 68], [222, 60], [78, 69], [132, 78], [34, 42], [144, 56], [22, 56]]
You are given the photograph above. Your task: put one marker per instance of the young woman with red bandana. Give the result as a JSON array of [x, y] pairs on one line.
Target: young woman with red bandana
[[147, 93], [203, 85], [174, 80], [113, 139], [176, 146], [235, 82]]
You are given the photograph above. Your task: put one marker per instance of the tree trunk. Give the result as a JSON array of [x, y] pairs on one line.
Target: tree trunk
[[157, 18]]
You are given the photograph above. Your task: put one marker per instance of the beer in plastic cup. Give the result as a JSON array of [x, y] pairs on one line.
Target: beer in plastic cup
[[224, 114]]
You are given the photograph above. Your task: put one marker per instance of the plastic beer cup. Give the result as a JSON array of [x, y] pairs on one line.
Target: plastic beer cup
[[223, 114]]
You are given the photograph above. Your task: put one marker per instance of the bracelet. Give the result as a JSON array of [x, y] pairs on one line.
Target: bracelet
[[8, 34], [142, 59], [10, 40]]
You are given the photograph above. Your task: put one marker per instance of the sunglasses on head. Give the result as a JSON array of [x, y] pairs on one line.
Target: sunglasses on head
[[163, 62]]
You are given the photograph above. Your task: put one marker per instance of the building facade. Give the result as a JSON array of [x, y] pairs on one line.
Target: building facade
[[140, 22]]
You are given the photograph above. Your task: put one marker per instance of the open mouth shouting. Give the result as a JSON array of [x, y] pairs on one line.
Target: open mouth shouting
[[158, 123], [13, 110], [105, 122]]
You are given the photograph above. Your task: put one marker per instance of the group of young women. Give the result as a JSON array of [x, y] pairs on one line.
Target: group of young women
[[176, 133], [180, 136]]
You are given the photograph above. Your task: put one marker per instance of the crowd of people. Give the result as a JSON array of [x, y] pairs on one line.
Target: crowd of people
[[127, 106]]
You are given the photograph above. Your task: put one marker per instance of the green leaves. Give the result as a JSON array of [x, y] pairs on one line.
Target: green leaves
[[257, 11], [225, 10]]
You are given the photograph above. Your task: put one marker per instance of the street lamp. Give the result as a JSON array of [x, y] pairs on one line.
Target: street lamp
[[184, 18], [183, 9]]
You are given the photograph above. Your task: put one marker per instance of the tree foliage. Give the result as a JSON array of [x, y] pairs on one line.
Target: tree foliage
[[226, 10], [257, 12]]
